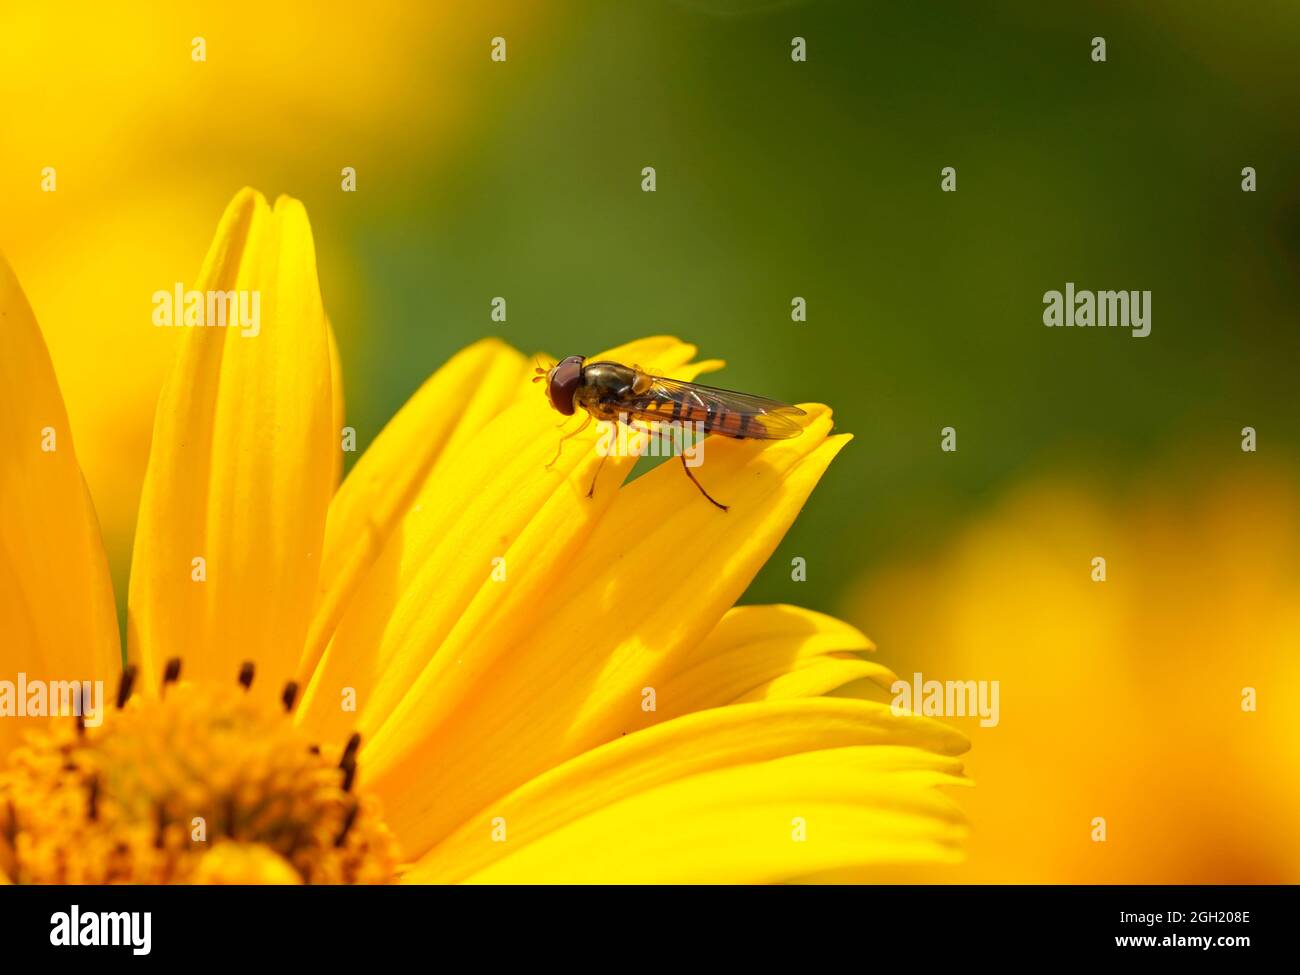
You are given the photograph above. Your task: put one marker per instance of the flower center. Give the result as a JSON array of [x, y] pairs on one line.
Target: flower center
[[199, 785]]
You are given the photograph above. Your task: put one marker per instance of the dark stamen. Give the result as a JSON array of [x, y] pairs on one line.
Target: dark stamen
[[246, 675], [125, 685], [348, 819], [11, 824], [350, 750], [173, 672], [161, 812], [348, 763], [92, 803], [290, 695]]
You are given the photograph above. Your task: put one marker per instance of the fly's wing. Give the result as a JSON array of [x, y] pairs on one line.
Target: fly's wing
[[741, 416]]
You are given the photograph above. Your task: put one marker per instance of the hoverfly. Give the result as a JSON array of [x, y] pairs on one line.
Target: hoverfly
[[608, 390]]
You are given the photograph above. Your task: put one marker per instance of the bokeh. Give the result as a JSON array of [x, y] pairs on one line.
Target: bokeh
[[1160, 701], [777, 179]]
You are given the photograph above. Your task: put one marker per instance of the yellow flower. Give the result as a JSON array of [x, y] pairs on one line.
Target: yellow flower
[[454, 667]]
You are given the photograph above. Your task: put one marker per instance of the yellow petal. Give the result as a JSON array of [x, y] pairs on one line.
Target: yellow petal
[[766, 652], [672, 751], [57, 621], [817, 677], [433, 585], [240, 466], [564, 663], [451, 406], [758, 823]]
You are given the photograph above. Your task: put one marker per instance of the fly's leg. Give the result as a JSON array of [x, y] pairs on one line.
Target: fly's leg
[[559, 447], [712, 500], [591, 491]]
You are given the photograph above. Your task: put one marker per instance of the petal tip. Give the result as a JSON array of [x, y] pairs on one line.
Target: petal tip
[[246, 200]]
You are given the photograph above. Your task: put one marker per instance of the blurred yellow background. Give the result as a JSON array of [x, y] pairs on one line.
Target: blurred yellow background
[[1121, 698]]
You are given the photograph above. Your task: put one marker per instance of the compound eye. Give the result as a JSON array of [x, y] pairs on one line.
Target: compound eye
[[563, 381]]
